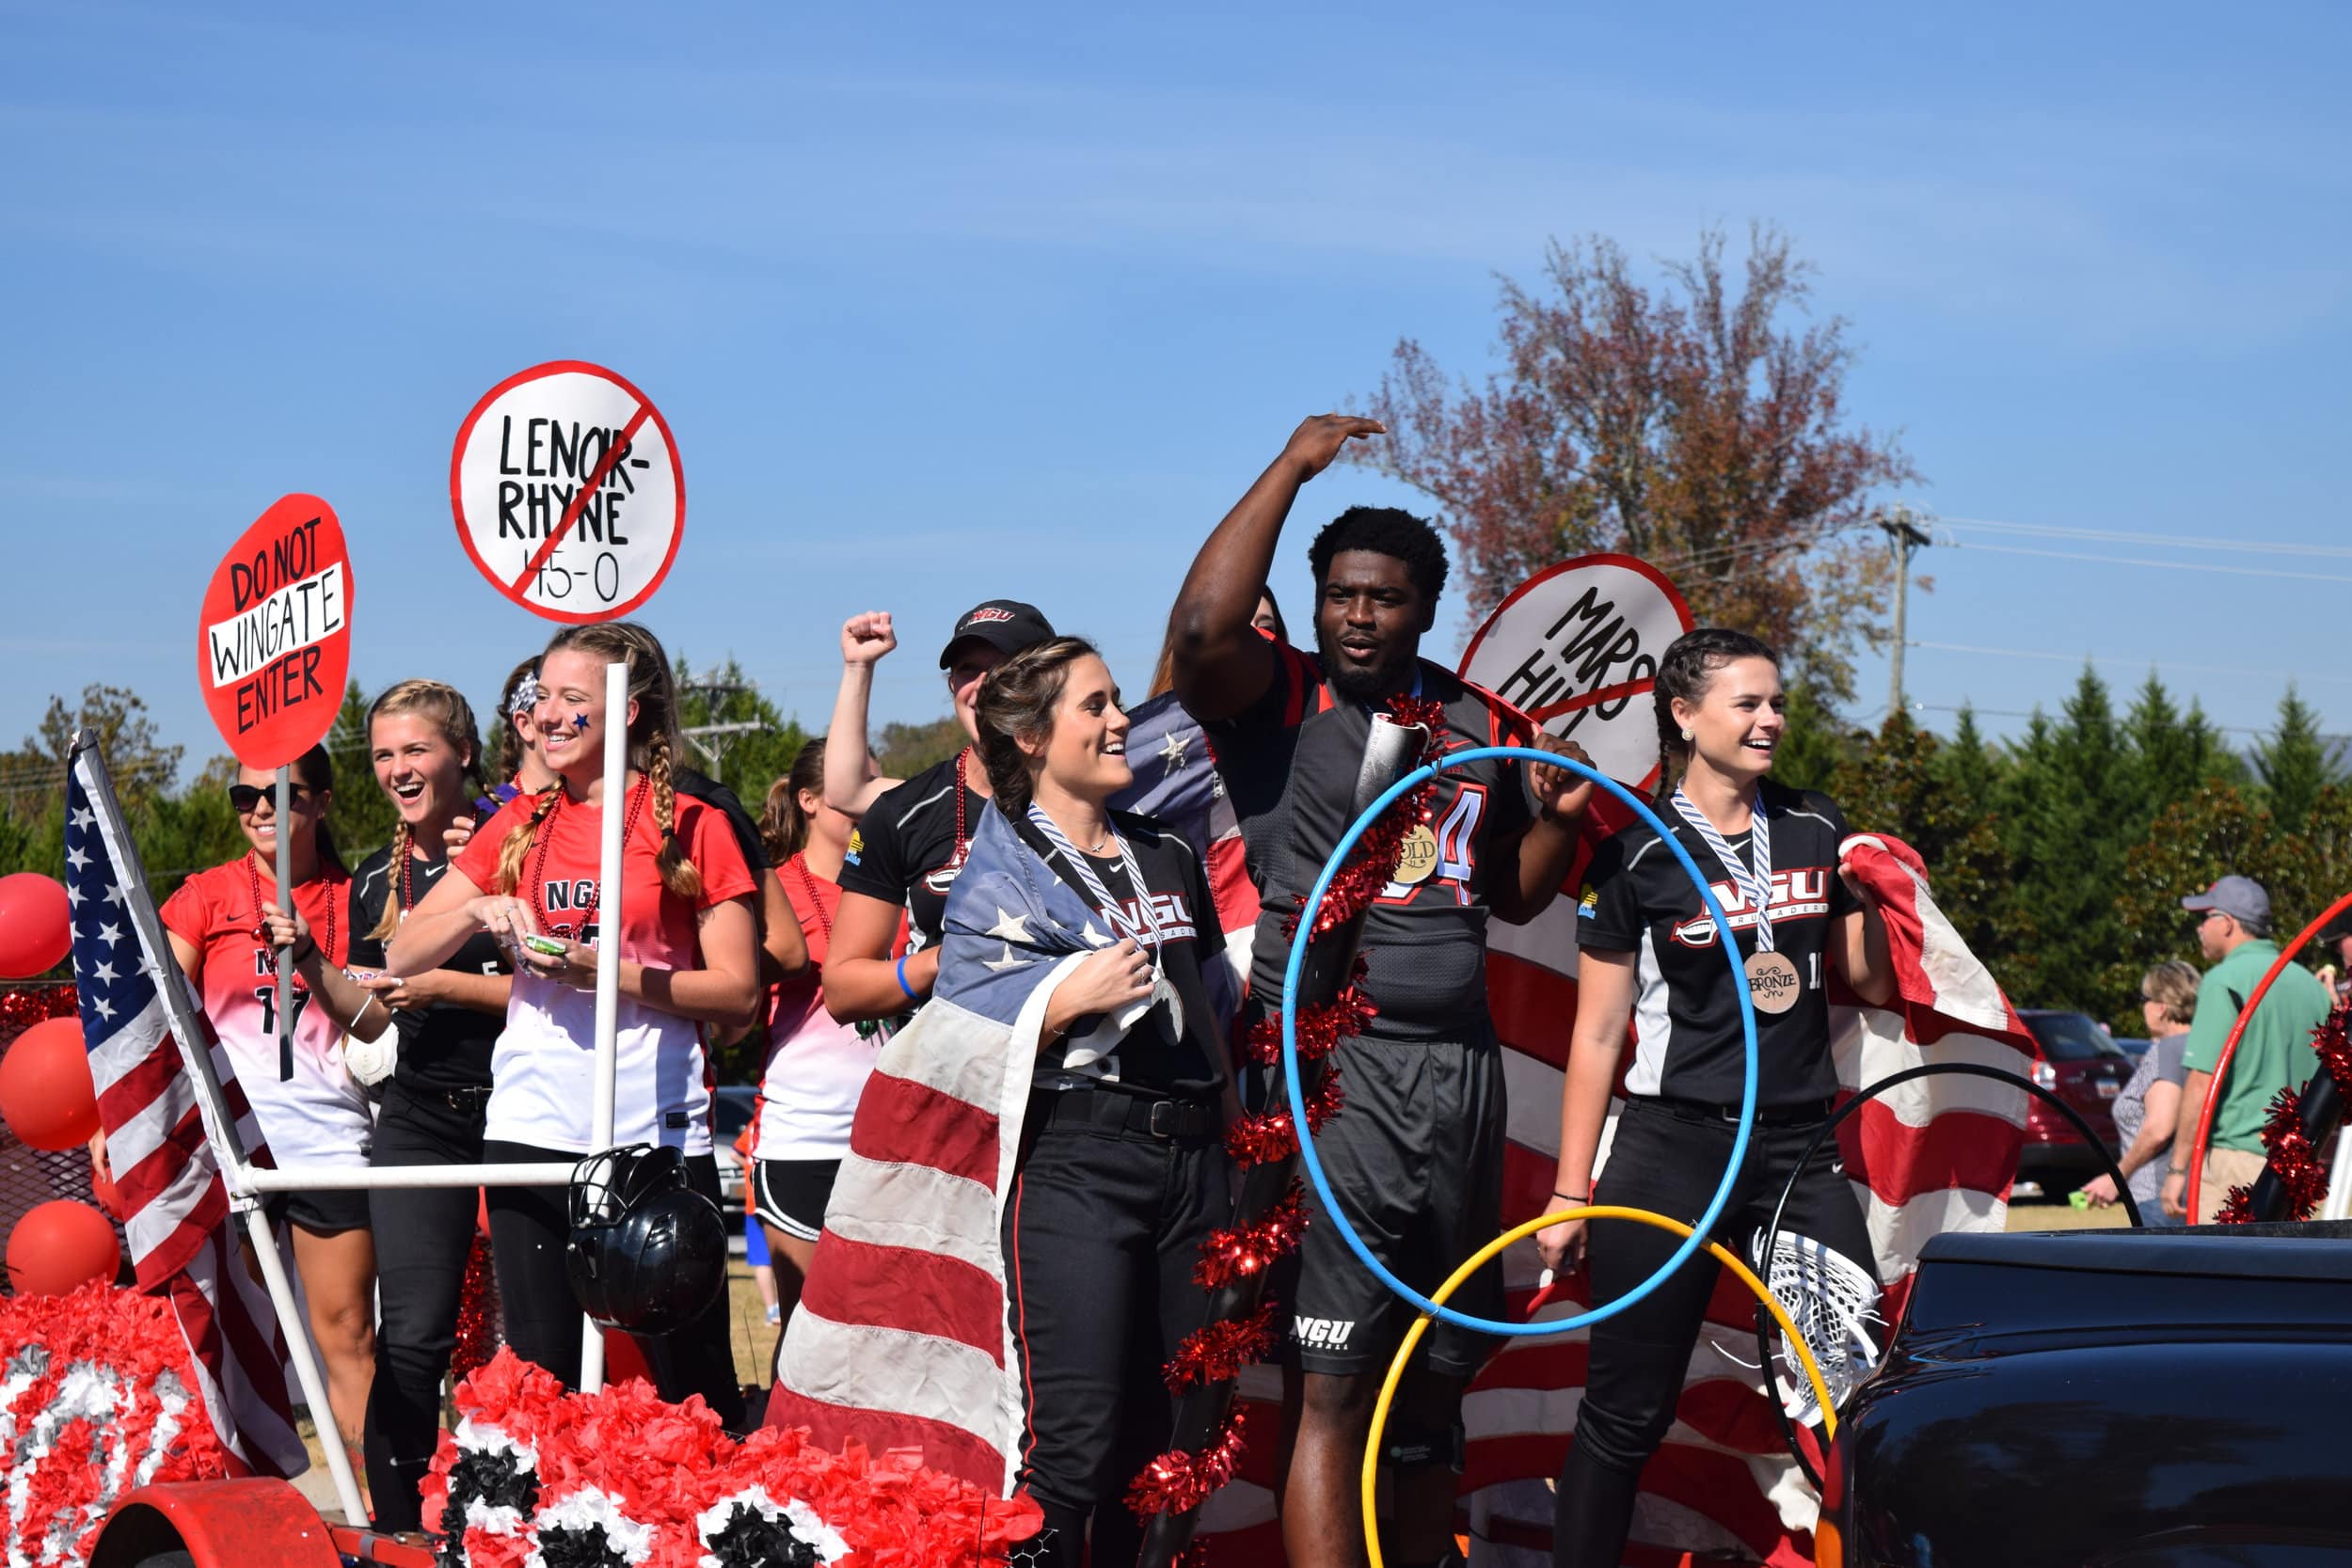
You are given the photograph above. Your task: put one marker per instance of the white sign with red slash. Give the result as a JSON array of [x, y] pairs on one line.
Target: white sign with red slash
[[569, 492], [1575, 647]]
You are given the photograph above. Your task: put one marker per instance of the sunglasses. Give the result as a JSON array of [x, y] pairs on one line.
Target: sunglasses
[[245, 799]]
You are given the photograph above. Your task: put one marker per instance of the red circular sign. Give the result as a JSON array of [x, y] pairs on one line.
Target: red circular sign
[[567, 491], [1575, 647], [274, 641]]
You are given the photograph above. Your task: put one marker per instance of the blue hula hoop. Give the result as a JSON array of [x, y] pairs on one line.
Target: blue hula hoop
[[1699, 1232]]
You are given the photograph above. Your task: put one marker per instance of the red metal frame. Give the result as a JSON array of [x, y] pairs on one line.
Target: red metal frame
[[252, 1524]]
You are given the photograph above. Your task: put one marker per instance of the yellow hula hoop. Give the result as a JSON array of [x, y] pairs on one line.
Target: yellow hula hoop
[[1478, 1260]]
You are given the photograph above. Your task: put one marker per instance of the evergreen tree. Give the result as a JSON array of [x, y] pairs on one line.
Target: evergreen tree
[[1970, 764], [2294, 762], [2071, 813], [1815, 742]]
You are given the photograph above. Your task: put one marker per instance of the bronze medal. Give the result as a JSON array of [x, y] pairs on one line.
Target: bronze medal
[[1418, 858], [1774, 984]]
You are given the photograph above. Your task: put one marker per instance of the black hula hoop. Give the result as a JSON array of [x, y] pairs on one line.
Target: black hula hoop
[[1771, 1232]]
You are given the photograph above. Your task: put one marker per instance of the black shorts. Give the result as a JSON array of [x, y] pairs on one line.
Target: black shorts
[[1415, 1156], [325, 1213], [789, 1195]]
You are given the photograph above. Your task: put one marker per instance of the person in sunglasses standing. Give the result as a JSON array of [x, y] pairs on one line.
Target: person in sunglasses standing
[[224, 930]]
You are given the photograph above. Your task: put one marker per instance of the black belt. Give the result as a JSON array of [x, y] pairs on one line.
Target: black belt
[[1144, 1115], [468, 1100], [1806, 1115]]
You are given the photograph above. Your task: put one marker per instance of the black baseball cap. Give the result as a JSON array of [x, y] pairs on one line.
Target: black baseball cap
[[1006, 624]]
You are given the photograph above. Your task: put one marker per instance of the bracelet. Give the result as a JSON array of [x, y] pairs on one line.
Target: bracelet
[[365, 1002], [299, 956], [1572, 1198], [902, 979]]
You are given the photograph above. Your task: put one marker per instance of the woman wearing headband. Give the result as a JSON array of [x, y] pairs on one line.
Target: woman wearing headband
[[689, 956], [434, 1067], [1651, 956], [225, 926]]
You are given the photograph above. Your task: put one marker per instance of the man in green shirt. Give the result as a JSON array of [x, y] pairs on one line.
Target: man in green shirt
[[2275, 1052]]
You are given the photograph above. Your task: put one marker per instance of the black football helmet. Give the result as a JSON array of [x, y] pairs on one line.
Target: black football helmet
[[647, 1253]]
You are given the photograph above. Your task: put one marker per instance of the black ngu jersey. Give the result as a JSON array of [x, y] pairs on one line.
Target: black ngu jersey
[[1288, 764], [1637, 898]]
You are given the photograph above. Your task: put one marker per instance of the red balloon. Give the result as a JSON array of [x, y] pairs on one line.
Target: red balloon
[[59, 1247], [45, 1089], [36, 925]]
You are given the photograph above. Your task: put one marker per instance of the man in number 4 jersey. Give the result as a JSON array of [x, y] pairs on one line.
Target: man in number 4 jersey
[[1416, 1155]]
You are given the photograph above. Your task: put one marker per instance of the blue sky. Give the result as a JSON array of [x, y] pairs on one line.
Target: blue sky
[[952, 301]]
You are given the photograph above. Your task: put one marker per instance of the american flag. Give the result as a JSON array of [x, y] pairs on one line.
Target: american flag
[[184, 1243]]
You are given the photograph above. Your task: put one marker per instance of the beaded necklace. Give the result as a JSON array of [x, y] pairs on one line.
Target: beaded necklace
[[253, 879], [547, 836]]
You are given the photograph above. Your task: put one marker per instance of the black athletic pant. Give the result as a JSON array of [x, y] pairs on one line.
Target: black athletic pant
[[1100, 1232], [529, 1227], [422, 1238], [1670, 1160]]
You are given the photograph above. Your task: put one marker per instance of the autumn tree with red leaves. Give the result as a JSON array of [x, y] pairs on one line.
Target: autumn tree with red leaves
[[1684, 425]]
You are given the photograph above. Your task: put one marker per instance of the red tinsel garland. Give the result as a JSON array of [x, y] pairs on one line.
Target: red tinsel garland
[[21, 1006], [1254, 1140], [1245, 1249], [477, 1314], [1221, 1350], [2289, 1152], [1177, 1482]]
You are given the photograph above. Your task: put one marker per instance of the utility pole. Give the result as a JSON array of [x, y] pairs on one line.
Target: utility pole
[[1905, 536], [714, 740]]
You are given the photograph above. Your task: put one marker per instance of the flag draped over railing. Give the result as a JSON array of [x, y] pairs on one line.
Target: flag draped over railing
[[175, 1209]]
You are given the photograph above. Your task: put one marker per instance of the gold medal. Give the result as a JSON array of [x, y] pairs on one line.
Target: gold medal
[[1774, 984], [1418, 858]]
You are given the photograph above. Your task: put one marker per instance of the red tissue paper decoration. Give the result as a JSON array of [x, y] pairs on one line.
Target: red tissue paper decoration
[[535, 1475], [21, 1006], [98, 1397], [1254, 1140], [1177, 1482]]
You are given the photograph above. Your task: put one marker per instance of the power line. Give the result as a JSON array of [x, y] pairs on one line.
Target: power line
[[2123, 658], [2168, 541], [2206, 567]]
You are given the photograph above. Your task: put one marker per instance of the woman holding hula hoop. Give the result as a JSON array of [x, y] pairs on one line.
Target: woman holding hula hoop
[[422, 743], [911, 839], [1647, 957], [689, 955]]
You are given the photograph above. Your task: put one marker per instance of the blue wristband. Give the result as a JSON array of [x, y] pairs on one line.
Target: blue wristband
[[902, 980]]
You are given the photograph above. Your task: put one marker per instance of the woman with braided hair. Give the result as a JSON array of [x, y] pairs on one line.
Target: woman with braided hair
[[1650, 956], [688, 956], [433, 1066]]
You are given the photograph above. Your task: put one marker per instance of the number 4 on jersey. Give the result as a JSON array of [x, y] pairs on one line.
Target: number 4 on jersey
[[1444, 859]]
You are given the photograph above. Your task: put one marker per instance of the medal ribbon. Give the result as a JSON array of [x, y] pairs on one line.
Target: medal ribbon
[[1754, 886], [1095, 890]]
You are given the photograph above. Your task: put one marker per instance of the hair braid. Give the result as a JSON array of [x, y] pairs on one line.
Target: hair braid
[[388, 924], [678, 873], [517, 845]]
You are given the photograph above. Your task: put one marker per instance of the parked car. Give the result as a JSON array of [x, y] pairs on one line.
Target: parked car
[[732, 1109], [2105, 1399], [2082, 1063]]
